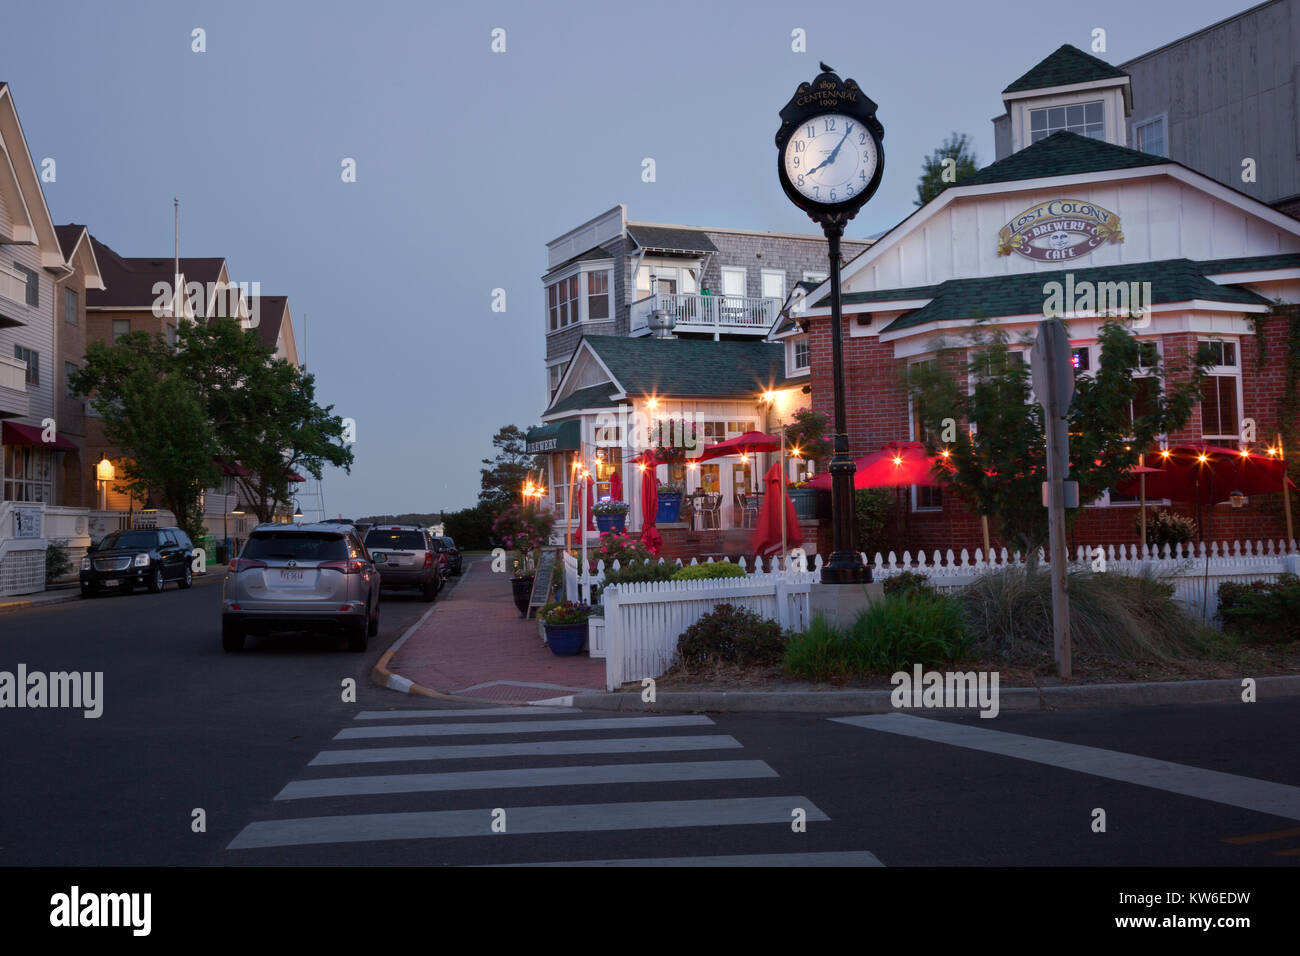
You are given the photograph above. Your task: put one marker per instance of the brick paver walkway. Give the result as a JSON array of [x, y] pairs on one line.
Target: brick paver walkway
[[474, 644]]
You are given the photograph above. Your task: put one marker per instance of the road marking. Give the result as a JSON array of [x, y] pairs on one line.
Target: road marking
[[476, 712], [523, 727], [618, 745], [528, 777], [653, 815], [1262, 837], [829, 858], [1249, 793]]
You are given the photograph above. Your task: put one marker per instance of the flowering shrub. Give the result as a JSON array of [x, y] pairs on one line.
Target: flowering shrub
[[610, 508], [566, 614], [524, 529], [1168, 528], [621, 547]]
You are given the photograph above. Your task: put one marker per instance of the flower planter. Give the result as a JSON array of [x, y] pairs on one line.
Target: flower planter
[[523, 588], [608, 523], [566, 640], [805, 501], [670, 506]]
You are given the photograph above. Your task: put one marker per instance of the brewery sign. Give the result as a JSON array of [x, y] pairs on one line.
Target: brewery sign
[[1059, 230]]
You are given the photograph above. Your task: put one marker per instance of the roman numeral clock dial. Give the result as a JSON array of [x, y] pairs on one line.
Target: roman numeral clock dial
[[831, 158]]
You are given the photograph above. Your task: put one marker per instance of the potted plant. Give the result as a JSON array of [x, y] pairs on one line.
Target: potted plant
[[670, 502], [526, 530], [806, 437], [610, 515], [671, 439], [566, 627]]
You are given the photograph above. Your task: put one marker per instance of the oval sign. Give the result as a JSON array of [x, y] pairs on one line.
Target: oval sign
[[1059, 229]]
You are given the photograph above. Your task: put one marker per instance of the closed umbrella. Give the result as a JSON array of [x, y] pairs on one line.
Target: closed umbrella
[[767, 531], [649, 506], [616, 487], [591, 502]]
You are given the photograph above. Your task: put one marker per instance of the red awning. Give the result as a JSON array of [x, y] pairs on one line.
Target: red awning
[[294, 476], [232, 468], [15, 434]]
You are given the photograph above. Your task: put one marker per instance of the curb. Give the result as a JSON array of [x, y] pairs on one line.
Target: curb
[[74, 594], [381, 675], [878, 701]]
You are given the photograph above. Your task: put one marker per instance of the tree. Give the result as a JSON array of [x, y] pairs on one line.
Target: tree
[[263, 412], [507, 472], [155, 414], [998, 466], [937, 174]]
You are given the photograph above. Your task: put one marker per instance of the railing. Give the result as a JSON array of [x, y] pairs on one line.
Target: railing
[[707, 313], [13, 284], [578, 583]]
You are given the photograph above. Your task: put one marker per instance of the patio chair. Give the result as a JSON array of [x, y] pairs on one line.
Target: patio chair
[[750, 505], [711, 511]]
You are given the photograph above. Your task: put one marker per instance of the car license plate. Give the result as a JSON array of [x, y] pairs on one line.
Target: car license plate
[[110, 583], [291, 577]]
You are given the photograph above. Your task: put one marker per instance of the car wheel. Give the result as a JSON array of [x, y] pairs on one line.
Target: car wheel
[[188, 580], [156, 581], [430, 590], [358, 636], [87, 590], [373, 628], [232, 636]]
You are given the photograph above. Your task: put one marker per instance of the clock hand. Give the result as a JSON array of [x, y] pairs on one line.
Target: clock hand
[[836, 151]]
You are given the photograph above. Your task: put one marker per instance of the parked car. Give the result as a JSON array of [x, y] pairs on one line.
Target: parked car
[[148, 556], [448, 547], [407, 556], [301, 576]]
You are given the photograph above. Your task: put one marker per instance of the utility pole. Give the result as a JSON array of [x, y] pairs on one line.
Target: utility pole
[[1053, 378]]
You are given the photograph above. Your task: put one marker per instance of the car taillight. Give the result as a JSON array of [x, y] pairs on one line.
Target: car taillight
[[428, 559], [351, 566], [245, 564]]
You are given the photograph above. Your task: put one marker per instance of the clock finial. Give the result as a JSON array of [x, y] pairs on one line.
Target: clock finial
[[825, 68]]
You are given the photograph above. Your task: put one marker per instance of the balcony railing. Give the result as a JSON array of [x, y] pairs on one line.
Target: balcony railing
[[708, 313]]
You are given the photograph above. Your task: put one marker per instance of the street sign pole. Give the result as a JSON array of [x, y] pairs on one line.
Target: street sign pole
[[1054, 387]]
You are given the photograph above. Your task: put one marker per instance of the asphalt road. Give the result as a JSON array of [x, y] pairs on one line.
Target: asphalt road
[[286, 772]]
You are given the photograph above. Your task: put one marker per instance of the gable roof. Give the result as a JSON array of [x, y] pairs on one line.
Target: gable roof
[[690, 368], [1172, 280], [1065, 66], [1061, 154], [129, 281], [669, 239], [269, 310], [591, 255], [593, 396]]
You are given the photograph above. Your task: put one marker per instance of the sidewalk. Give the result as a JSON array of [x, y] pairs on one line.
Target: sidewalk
[[474, 644]]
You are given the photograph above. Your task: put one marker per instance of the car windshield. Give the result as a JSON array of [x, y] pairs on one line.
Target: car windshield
[[296, 545], [128, 539], [399, 540]]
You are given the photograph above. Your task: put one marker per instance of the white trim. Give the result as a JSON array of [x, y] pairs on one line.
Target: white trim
[[1087, 86], [1262, 275]]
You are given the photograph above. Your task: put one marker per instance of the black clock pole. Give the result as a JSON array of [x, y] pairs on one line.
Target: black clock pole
[[845, 566]]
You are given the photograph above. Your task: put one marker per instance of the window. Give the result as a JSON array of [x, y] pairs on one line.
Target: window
[[1149, 137], [814, 276], [69, 369], [1086, 119], [1148, 355], [1080, 358], [562, 302], [1221, 353], [33, 284], [121, 327], [773, 284], [553, 298], [1219, 405], [28, 473], [733, 281], [33, 360], [598, 295], [801, 355], [924, 498], [553, 376], [70, 306]]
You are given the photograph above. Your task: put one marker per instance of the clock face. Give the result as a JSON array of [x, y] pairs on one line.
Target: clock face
[[831, 158]]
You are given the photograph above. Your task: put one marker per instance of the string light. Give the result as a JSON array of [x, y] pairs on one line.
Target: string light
[[1202, 458]]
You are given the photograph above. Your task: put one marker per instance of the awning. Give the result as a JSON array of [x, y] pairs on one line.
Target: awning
[[15, 434], [558, 436]]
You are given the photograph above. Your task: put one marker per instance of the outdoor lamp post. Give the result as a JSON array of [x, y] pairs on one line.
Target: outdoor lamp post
[[830, 157]]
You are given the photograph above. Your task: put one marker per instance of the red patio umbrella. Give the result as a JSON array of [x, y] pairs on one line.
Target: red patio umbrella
[[1208, 473], [591, 502], [650, 506], [896, 464], [750, 443], [767, 531]]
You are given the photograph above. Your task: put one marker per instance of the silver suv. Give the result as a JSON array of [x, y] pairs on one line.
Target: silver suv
[[300, 576], [407, 557]]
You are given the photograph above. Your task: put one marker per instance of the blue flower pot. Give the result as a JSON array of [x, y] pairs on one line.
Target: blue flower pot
[[608, 523], [567, 640], [670, 507]]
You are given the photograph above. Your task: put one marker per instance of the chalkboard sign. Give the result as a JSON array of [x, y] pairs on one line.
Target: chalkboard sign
[[543, 581]]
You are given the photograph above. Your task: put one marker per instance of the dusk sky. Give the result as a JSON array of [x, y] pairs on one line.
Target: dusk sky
[[469, 161]]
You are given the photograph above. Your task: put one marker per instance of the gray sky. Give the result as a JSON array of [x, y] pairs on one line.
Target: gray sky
[[469, 161]]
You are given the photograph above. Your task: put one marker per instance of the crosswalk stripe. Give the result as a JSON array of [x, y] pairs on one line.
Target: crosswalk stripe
[[1250, 793], [829, 858], [615, 745], [472, 712], [527, 777], [564, 818], [522, 727]]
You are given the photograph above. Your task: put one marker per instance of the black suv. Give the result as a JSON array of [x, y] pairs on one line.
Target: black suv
[[148, 556]]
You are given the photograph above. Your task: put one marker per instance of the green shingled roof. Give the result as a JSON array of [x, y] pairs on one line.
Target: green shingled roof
[[686, 368], [1067, 65], [1061, 154], [595, 396], [1284, 260], [1172, 280]]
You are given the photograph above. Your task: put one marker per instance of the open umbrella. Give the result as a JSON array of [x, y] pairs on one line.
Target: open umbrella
[[898, 463], [767, 531], [649, 506], [750, 443], [1208, 473]]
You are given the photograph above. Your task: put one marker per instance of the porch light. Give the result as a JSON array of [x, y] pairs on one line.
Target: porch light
[[652, 403], [769, 397], [795, 452], [238, 509], [105, 471], [1164, 452], [297, 511], [1238, 499]]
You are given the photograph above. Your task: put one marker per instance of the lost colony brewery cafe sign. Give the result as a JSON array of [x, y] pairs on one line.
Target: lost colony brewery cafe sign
[[1058, 230]]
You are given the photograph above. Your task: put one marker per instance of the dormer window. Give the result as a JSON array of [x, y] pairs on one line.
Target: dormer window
[[1086, 119], [801, 359]]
